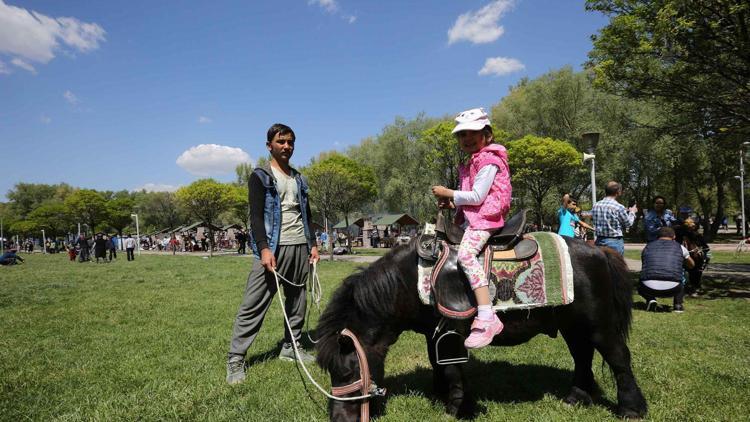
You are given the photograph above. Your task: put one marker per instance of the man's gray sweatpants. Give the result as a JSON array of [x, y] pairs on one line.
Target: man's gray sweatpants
[[292, 263]]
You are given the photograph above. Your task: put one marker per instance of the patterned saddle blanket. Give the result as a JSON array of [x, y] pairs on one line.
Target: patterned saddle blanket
[[544, 279]]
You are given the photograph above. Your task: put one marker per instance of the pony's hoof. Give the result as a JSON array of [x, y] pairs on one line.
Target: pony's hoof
[[578, 396], [631, 414]]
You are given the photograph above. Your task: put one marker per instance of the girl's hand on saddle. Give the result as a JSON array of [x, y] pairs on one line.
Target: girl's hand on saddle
[[442, 192]]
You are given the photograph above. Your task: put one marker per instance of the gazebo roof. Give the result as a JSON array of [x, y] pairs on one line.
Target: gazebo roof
[[389, 219]]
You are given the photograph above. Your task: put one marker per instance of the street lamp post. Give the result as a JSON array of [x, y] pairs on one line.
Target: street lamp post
[[44, 242], [2, 239], [591, 139], [137, 233]]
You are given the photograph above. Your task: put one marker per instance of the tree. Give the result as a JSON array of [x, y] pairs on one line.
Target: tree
[[398, 159], [119, 212], [159, 210], [340, 184], [240, 207], [87, 206], [693, 54], [52, 216], [443, 153], [243, 172], [540, 164], [25, 197], [206, 199], [560, 104]]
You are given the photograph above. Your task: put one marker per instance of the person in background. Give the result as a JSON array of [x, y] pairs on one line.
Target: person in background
[[10, 257], [611, 218], [657, 217], [662, 263], [568, 219], [130, 247], [83, 245], [112, 247]]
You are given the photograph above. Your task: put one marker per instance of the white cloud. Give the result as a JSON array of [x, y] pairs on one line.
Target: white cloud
[[45, 119], [501, 66], [70, 97], [23, 65], [329, 5], [481, 26], [212, 159], [204, 120], [157, 187], [4, 69], [332, 7], [31, 37]]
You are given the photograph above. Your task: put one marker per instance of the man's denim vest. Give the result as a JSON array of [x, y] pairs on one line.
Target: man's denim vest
[[272, 209]]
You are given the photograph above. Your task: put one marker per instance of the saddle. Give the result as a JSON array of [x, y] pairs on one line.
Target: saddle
[[452, 292]]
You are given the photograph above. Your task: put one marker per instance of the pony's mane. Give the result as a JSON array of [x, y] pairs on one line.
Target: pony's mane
[[365, 298]]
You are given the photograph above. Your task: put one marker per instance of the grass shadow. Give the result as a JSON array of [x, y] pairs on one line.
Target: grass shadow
[[499, 382]]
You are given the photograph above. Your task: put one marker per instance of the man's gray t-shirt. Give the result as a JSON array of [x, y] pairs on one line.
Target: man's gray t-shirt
[[292, 230]]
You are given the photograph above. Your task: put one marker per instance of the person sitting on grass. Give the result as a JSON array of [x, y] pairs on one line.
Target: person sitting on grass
[[10, 257], [662, 270]]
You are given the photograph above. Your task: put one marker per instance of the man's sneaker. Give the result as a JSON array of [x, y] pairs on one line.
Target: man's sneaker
[[287, 353], [235, 369], [482, 332], [678, 308], [651, 306]]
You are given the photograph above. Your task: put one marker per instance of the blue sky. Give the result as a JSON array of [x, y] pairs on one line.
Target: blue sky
[[108, 95]]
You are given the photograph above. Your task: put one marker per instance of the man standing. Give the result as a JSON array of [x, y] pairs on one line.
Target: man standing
[[83, 244], [282, 240], [130, 247], [611, 218], [241, 239], [568, 219], [661, 270], [112, 245]]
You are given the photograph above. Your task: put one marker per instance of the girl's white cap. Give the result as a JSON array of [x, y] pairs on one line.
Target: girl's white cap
[[474, 119]]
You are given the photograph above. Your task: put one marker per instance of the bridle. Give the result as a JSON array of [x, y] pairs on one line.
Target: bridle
[[364, 384]]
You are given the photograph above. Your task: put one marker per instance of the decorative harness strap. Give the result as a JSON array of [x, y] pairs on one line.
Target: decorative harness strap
[[363, 384]]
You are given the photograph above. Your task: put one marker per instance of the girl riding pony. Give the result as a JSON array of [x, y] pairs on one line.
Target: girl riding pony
[[482, 202]]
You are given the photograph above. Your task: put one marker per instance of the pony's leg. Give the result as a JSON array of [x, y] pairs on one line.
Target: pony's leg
[[630, 400], [585, 389], [448, 383]]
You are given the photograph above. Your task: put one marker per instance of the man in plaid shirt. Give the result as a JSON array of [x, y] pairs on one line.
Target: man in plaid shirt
[[611, 218]]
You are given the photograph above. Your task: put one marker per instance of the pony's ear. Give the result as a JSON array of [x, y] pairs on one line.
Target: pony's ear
[[346, 345]]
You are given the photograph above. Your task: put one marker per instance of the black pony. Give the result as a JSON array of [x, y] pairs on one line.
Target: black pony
[[381, 301]]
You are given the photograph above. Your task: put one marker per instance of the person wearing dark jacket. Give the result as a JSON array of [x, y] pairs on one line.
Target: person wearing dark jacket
[[10, 258], [83, 245], [282, 241], [662, 262], [100, 248]]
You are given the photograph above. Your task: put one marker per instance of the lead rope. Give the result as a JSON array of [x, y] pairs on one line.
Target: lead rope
[[296, 350]]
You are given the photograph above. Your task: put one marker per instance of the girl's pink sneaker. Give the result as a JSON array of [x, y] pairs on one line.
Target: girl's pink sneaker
[[482, 332]]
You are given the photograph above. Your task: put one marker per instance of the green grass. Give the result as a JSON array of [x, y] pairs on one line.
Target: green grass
[[148, 339], [371, 251]]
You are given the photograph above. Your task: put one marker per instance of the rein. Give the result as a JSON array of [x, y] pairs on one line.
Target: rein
[[364, 384]]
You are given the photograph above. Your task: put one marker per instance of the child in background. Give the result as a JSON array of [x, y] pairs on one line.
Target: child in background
[[482, 203]]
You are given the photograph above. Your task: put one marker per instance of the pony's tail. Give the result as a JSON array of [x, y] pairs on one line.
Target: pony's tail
[[622, 294]]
